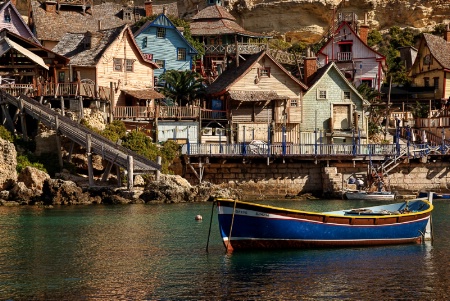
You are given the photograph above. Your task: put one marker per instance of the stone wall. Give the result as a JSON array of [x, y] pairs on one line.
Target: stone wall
[[281, 179]]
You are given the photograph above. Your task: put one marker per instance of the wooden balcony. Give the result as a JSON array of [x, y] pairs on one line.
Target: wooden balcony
[[344, 56], [59, 89], [165, 112]]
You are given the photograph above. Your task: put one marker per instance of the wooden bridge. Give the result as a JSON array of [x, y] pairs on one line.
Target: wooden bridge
[[113, 153]]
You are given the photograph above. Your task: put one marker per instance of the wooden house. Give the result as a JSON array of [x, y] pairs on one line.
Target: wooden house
[[111, 58], [432, 65], [332, 109], [12, 20], [347, 48], [26, 65], [161, 42], [218, 30], [51, 20], [262, 99]]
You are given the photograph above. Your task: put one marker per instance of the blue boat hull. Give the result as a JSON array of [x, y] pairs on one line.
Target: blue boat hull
[[445, 196], [254, 226]]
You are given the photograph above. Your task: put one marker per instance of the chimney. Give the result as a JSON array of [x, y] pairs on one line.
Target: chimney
[[14, 2], [148, 8], [364, 30], [99, 25], [309, 66], [91, 39], [447, 33], [50, 6], [165, 10]]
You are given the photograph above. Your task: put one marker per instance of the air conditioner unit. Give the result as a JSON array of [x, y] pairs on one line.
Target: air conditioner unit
[[207, 131], [221, 132]]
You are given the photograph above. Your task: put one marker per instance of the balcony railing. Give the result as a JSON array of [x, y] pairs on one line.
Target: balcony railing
[[59, 89], [304, 150], [344, 56]]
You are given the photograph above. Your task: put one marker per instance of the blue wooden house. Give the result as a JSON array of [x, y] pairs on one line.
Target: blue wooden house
[[161, 42]]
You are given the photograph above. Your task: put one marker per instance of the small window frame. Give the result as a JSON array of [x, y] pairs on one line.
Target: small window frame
[[181, 54], [118, 64], [322, 94], [129, 65], [160, 32], [161, 63], [293, 102], [346, 95], [264, 72]]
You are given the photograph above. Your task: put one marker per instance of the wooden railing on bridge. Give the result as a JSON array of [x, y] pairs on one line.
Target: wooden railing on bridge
[[329, 151], [59, 89], [100, 145]]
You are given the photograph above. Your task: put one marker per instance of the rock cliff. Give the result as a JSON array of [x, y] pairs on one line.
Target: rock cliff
[[308, 20]]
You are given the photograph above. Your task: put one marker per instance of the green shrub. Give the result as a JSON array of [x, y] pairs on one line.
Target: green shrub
[[5, 134]]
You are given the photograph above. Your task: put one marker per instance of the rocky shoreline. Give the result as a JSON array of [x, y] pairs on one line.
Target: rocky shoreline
[[37, 188]]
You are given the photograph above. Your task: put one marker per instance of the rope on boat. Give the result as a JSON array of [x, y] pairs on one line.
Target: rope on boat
[[232, 222], [210, 223]]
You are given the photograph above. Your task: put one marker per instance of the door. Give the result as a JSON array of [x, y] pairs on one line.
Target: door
[[341, 117]]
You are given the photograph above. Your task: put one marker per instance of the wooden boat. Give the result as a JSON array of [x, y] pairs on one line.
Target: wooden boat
[[364, 195], [246, 225], [438, 196]]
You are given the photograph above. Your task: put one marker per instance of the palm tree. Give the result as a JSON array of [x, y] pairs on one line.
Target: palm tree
[[377, 113], [182, 86]]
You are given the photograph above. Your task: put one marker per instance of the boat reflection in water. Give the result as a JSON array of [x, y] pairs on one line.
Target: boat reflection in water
[[246, 225]]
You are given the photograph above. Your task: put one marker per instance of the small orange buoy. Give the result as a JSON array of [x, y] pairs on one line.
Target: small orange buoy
[[198, 217]]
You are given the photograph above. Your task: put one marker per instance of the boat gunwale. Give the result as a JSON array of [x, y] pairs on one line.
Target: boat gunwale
[[430, 208]]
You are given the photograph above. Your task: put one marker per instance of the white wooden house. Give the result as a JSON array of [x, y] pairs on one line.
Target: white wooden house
[[356, 60]]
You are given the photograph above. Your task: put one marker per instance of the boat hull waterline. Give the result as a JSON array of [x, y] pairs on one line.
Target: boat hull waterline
[[253, 226], [375, 196]]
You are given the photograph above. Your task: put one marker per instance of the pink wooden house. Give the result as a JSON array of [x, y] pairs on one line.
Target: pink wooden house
[[11, 20], [347, 48]]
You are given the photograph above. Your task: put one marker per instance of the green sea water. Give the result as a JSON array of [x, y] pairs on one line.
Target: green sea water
[[158, 252]]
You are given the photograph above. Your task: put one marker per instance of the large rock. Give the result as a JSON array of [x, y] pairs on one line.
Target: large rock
[[21, 194], [175, 189], [33, 178], [8, 163], [60, 192]]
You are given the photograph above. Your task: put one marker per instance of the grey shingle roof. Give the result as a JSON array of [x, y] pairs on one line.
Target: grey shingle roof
[[439, 48], [72, 46], [52, 26]]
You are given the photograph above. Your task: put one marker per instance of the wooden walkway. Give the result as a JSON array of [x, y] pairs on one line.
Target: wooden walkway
[[93, 142]]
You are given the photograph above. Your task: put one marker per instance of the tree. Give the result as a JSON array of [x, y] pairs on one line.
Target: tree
[[376, 112], [182, 86]]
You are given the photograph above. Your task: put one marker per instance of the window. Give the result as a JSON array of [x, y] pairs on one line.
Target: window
[[61, 76], [321, 94], [7, 17], [346, 95], [427, 59], [160, 32], [294, 102], [144, 42], [127, 14], [264, 71], [129, 65], [117, 64], [436, 82], [426, 81], [368, 82], [161, 63], [181, 54]]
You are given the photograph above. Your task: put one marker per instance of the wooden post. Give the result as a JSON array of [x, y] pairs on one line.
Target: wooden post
[[111, 103], [429, 228], [23, 121], [80, 104], [119, 176], [7, 121], [89, 159], [58, 142], [62, 106], [158, 172], [130, 170]]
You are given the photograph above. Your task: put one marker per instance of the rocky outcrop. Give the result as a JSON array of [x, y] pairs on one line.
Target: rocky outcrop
[[309, 20], [8, 163], [33, 178]]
